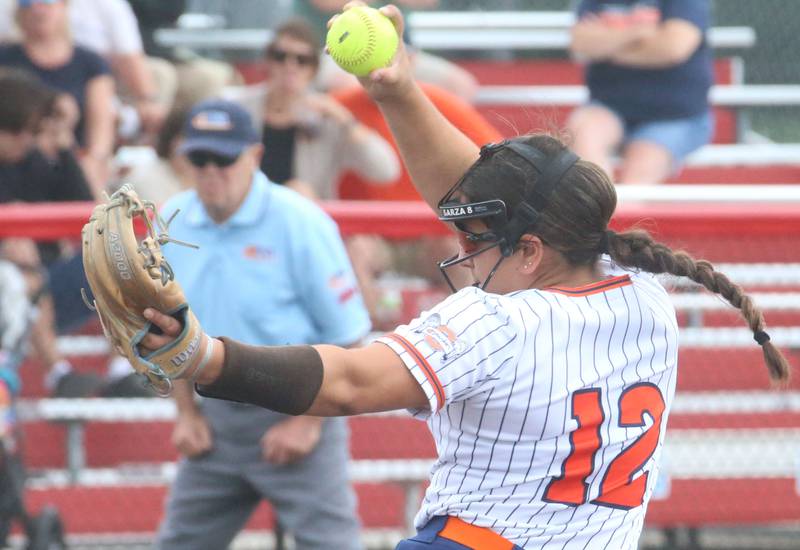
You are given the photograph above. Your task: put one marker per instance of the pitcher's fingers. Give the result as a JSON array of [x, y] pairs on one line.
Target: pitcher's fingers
[[166, 323], [328, 26], [152, 342], [384, 75], [203, 443], [186, 448], [347, 6], [278, 457], [393, 13], [353, 4]]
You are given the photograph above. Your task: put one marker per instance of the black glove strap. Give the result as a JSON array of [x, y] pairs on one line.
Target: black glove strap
[[285, 379]]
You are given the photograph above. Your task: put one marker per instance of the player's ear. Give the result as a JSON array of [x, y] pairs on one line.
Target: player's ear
[[530, 252]]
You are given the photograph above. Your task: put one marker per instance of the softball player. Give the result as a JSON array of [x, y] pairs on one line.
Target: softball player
[[547, 384]]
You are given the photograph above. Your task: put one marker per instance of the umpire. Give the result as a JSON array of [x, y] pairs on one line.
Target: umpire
[[271, 269]]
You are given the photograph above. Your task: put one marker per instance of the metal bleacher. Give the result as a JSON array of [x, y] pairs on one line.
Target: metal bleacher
[[449, 30], [734, 95]]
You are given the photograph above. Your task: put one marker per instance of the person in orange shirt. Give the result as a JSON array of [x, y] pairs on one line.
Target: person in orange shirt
[[461, 114]]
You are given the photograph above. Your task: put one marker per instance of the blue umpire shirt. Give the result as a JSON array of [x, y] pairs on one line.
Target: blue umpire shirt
[[274, 273]]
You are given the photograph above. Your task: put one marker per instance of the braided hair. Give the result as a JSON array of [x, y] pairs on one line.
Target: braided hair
[[575, 224]]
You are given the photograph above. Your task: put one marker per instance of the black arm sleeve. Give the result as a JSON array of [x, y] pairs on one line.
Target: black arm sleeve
[[285, 379]]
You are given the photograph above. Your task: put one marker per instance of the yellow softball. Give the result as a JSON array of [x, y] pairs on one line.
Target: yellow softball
[[361, 40]]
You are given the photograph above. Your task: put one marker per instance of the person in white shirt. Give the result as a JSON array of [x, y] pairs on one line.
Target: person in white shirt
[[547, 384], [150, 85], [110, 29]]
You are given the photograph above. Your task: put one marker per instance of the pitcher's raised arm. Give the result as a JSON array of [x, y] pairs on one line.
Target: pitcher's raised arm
[[434, 151]]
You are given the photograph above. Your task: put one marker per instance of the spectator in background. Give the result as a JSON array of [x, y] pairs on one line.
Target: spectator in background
[[462, 115], [150, 79], [159, 178], [649, 70], [289, 282], [152, 15], [187, 78], [30, 115], [309, 139], [44, 530], [48, 51], [15, 316], [109, 28], [427, 67]]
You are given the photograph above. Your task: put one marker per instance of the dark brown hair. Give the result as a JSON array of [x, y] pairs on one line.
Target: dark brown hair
[[24, 100], [575, 223], [301, 30], [171, 130]]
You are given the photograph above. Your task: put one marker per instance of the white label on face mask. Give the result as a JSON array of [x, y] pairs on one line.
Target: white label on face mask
[[457, 211]]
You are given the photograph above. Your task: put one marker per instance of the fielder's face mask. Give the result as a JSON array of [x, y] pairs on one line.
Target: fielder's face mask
[[503, 230]]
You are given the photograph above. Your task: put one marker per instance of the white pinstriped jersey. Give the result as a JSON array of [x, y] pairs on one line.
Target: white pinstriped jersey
[[548, 407]]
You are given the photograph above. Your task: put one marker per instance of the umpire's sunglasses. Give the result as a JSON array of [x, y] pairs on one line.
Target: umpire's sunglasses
[[199, 159]]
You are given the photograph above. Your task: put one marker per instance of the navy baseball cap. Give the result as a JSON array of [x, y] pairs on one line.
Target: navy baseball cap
[[29, 3], [218, 126]]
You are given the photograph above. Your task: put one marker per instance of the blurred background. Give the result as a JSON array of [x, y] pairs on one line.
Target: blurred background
[[96, 444]]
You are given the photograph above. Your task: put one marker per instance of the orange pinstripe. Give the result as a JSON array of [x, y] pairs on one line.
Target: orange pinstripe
[[430, 374], [593, 288]]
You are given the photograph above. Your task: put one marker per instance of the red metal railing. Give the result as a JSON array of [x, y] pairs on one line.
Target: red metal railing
[[408, 220]]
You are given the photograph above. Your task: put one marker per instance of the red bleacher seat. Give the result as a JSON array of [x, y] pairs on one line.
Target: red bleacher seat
[[553, 71], [111, 444], [734, 421], [514, 120], [390, 437], [502, 72], [32, 372], [736, 248], [114, 443], [733, 319], [726, 369], [723, 502], [739, 174], [735, 502], [111, 509], [107, 444]]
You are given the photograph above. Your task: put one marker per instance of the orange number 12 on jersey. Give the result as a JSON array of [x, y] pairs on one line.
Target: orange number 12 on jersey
[[618, 489]]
